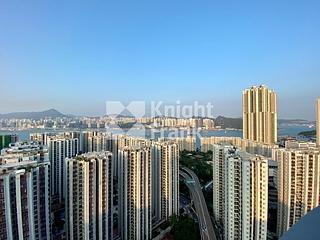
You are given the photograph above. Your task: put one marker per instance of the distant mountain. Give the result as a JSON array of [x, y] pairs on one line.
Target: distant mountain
[[51, 113], [226, 122], [311, 133], [120, 116]]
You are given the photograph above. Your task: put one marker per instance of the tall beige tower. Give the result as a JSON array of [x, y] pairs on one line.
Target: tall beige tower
[[259, 108], [318, 122]]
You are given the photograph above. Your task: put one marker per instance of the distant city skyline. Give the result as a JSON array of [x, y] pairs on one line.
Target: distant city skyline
[[222, 112], [75, 56]]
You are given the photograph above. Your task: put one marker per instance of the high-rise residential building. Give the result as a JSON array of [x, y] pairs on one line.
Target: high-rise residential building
[[252, 147], [208, 124], [207, 143], [185, 143], [165, 180], [89, 196], [95, 141], [25, 200], [258, 148], [84, 140], [318, 122], [60, 148], [40, 138], [196, 122], [293, 144], [100, 142], [272, 199], [122, 141], [298, 183], [43, 138], [135, 207], [259, 108], [220, 151], [240, 197]]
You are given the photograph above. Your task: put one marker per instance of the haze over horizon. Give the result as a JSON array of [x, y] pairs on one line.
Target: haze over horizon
[[74, 56]]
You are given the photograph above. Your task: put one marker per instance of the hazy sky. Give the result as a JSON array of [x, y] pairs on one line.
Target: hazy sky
[[75, 55]]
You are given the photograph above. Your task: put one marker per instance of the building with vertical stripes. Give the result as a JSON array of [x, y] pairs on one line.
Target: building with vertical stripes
[[207, 143], [89, 196], [298, 183], [25, 201], [259, 108], [120, 142], [135, 181], [100, 141], [240, 197], [259, 148], [165, 180], [252, 147], [60, 148], [43, 138], [40, 138], [220, 153], [187, 143]]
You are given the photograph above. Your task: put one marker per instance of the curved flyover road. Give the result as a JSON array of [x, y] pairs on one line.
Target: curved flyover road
[[205, 224]]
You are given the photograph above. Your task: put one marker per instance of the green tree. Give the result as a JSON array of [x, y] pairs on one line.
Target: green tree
[[185, 229]]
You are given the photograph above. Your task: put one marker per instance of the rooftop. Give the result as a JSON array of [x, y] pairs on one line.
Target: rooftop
[[23, 147]]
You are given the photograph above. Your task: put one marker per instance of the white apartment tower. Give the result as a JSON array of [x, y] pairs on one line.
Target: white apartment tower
[[89, 196], [25, 201], [120, 142], [93, 141], [100, 142], [42, 138], [298, 183], [259, 107], [165, 180], [59, 149], [135, 193], [219, 156], [240, 200]]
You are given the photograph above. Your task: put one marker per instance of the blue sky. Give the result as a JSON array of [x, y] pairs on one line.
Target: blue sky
[[75, 55]]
